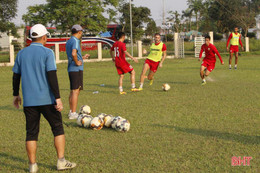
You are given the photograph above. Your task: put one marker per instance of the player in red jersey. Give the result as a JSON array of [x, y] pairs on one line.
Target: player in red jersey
[[118, 52], [209, 61], [235, 39]]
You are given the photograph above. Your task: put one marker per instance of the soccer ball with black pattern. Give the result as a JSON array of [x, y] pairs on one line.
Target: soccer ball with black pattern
[[85, 109], [102, 115], [122, 125], [96, 123], [166, 87], [114, 121], [84, 120], [108, 120]]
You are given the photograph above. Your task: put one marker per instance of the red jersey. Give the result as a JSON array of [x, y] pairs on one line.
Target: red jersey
[[119, 49], [230, 37], [210, 52]]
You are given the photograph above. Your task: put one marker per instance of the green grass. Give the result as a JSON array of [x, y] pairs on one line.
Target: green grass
[[190, 128]]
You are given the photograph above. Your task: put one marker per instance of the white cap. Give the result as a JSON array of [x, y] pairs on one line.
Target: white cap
[[77, 28], [39, 29]]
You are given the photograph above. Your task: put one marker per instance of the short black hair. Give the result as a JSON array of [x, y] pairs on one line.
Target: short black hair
[[35, 39], [236, 27], [207, 36], [157, 34], [74, 31], [121, 34]]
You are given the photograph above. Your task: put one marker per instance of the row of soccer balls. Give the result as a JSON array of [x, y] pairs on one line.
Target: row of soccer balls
[[96, 123]]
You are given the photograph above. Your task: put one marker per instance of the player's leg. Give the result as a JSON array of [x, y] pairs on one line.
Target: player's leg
[[32, 116], [120, 84], [74, 94], [142, 77], [132, 79], [230, 59], [202, 75], [207, 73], [151, 77], [236, 60]]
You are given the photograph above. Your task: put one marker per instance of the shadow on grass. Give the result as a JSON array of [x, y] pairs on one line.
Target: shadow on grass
[[73, 124], [10, 108], [244, 139], [18, 159]]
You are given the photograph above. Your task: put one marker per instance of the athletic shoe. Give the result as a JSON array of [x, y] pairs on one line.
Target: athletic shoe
[[140, 89], [203, 83], [33, 168], [235, 68], [134, 89], [63, 165], [123, 93], [73, 116], [151, 82], [230, 68]]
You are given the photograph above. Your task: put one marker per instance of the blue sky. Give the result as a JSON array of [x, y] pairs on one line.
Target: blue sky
[[156, 7]]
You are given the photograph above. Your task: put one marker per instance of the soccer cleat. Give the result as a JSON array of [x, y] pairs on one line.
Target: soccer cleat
[[134, 89], [140, 89], [203, 83], [230, 68], [73, 116], [63, 165], [151, 82], [235, 68], [123, 93], [33, 168]]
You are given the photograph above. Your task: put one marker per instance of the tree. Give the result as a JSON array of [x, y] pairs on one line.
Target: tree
[[8, 9], [151, 28], [196, 7], [140, 16], [65, 13], [175, 18], [187, 14]]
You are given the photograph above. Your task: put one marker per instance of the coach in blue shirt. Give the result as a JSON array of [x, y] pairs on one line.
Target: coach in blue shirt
[[36, 66], [75, 68]]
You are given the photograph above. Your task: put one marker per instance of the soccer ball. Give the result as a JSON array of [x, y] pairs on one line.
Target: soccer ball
[[166, 87], [122, 125], [85, 109], [102, 115], [96, 123], [84, 120], [114, 121], [108, 120]]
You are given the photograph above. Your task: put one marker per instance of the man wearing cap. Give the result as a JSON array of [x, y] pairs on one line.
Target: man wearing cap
[[75, 68], [35, 65]]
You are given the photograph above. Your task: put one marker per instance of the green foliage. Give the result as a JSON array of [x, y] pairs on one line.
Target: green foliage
[[218, 36], [147, 41], [170, 37], [65, 13], [175, 18], [151, 28], [8, 9]]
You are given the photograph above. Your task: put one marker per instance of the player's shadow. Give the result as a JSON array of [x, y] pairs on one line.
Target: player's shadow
[[75, 125], [18, 159], [244, 139]]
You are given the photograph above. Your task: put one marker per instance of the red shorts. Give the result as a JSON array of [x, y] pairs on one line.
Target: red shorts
[[209, 65], [234, 49], [124, 68], [153, 65]]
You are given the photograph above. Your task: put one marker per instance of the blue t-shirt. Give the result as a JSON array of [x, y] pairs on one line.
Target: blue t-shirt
[[73, 43], [33, 63]]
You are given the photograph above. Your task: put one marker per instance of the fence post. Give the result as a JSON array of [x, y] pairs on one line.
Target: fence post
[[247, 44], [140, 49], [57, 52], [176, 46], [211, 34], [99, 51], [11, 49]]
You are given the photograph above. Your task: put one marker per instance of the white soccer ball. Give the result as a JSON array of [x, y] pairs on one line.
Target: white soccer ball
[[85, 109], [114, 121], [108, 120], [84, 120], [166, 87], [96, 123], [102, 115], [122, 125]]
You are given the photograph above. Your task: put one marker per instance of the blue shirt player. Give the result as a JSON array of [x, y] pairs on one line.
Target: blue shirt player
[[75, 68]]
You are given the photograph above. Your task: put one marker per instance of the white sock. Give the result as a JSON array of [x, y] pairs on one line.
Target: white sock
[[121, 89], [141, 85], [133, 85], [235, 65], [62, 159], [229, 66], [204, 80]]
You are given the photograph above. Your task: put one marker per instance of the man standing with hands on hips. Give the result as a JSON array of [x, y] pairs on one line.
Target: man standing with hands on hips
[[75, 68], [35, 65]]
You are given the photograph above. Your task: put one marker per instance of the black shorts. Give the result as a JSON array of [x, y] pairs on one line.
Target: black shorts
[[33, 115], [76, 80]]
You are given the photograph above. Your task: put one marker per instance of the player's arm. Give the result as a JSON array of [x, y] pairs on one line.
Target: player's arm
[[16, 83], [229, 38], [75, 57], [130, 56], [164, 49], [201, 52], [216, 52], [241, 44], [112, 54]]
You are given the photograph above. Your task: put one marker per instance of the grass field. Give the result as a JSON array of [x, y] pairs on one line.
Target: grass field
[[191, 128]]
